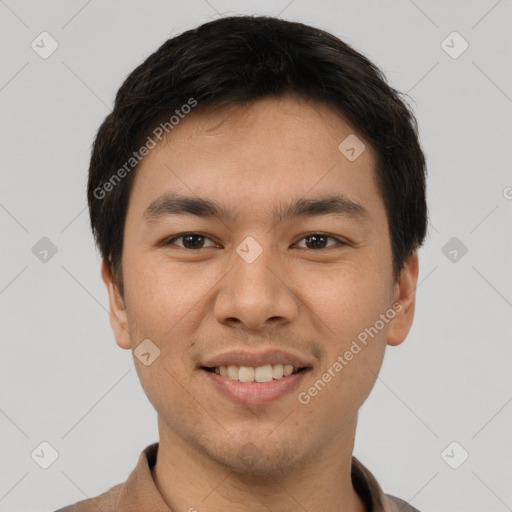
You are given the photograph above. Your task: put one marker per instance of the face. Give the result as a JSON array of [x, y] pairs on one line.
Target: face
[[246, 280]]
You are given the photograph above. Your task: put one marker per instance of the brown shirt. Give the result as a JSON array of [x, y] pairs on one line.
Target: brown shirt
[[140, 494]]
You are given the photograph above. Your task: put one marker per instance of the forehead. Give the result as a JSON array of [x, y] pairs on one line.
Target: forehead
[[254, 154]]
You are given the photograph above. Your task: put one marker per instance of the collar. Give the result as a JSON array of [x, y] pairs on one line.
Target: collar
[[139, 492]]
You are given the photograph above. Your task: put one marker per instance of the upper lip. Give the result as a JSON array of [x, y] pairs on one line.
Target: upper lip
[[244, 358]]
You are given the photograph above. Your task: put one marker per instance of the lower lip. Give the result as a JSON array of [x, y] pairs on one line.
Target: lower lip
[[256, 393]]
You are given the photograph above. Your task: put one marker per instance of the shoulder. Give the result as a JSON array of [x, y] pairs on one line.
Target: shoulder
[[104, 502], [400, 505]]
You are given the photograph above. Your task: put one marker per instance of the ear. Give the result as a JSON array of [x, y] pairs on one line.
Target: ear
[[404, 296], [118, 317]]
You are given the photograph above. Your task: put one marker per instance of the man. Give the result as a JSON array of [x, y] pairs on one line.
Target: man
[[258, 197]]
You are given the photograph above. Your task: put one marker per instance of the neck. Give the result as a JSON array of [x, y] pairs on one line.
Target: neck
[[189, 480]]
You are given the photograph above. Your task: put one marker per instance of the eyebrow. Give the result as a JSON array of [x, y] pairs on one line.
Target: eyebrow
[[175, 204]]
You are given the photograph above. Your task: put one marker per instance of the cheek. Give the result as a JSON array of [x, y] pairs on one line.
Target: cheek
[[348, 304], [165, 305], [160, 294], [346, 300], [160, 306]]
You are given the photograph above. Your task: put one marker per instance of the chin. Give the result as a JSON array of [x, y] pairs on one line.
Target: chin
[[260, 460]]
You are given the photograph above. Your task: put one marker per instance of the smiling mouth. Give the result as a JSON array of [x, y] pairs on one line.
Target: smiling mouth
[[266, 373]]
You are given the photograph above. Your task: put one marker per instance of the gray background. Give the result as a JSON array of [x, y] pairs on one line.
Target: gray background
[[62, 377]]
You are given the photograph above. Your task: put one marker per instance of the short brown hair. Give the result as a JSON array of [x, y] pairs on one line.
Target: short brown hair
[[236, 60]]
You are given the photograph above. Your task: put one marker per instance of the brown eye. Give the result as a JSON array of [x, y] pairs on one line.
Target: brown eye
[[190, 241], [319, 241]]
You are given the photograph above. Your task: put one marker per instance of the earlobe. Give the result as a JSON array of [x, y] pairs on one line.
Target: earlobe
[[118, 316], [405, 295]]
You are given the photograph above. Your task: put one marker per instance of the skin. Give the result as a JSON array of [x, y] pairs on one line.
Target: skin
[[196, 303]]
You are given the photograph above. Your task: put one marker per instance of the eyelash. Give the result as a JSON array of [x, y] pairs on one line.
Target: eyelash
[[170, 241]]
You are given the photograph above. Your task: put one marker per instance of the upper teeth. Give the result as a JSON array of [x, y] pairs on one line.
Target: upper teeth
[[259, 374]]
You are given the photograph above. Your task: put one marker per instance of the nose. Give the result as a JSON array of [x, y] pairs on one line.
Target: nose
[[256, 294]]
